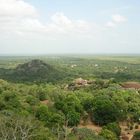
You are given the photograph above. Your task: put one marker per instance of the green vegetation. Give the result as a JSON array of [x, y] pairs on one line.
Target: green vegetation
[[33, 71], [47, 100], [107, 134], [136, 136], [114, 127]]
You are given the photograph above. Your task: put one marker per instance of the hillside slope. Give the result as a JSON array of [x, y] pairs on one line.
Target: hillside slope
[[33, 71]]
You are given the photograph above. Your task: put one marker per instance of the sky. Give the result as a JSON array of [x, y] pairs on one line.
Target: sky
[[69, 26]]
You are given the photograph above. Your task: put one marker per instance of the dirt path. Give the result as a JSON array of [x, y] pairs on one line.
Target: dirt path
[[90, 125], [135, 85], [126, 132]]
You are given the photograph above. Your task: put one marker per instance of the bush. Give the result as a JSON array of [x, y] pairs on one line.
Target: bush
[[10, 100], [42, 113], [109, 135], [73, 118], [88, 104], [2, 104], [131, 127], [86, 134], [136, 126], [56, 119], [136, 136], [114, 127], [41, 95], [31, 100]]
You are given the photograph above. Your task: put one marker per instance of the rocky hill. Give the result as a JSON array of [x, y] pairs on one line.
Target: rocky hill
[[34, 71]]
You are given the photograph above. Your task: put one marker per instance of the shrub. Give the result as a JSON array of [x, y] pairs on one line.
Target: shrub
[[42, 113], [136, 126], [86, 134], [31, 100], [41, 95], [107, 134], [136, 136], [73, 118], [114, 127]]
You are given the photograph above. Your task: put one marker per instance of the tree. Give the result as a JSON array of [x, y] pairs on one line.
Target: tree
[[71, 107], [104, 111], [21, 128]]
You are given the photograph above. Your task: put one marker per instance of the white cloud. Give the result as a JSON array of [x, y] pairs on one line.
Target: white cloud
[[16, 16], [16, 8], [61, 23], [19, 17], [60, 19], [116, 19], [110, 24]]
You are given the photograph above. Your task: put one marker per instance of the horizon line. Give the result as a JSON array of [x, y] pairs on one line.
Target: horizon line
[[63, 54]]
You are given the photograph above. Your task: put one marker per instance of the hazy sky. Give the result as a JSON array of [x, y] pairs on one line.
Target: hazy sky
[[69, 26]]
